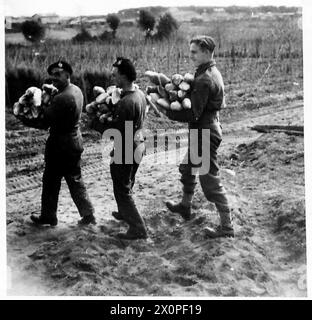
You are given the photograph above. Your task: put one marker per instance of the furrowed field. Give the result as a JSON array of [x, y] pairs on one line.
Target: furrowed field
[[261, 62]]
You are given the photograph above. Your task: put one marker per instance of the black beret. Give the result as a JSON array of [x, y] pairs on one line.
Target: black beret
[[126, 67], [123, 63], [61, 65]]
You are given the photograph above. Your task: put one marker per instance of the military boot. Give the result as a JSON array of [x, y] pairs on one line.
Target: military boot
[[117, 215], [219, 232], [133, 234], [86, 220], [42, 220], [137, 228], [184, 211]]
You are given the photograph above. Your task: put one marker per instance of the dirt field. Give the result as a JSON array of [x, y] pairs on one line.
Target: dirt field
[[264, 177]]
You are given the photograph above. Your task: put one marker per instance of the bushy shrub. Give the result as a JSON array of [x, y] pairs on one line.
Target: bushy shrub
[[32, 30], [197, 21], [166, 26], [82, 36], [88, 80], [113, 21], [146, 22], [106, 36], [20, 79]]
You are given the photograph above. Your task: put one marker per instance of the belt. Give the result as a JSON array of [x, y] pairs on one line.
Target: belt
[[210, 117], [205, 119]]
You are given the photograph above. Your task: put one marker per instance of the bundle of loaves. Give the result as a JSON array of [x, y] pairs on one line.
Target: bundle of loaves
[[170, 94], [104, 103], [30, 105]]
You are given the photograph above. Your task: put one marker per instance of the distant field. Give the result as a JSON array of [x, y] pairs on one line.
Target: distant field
[[271, 39], [239, 30], [255, 57], [64, 34], [15, 38]]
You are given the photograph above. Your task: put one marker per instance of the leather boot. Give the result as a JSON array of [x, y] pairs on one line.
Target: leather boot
[[219, 232], [117, 215], [133, 234], [185, 212], [86, 220], [41, 220]]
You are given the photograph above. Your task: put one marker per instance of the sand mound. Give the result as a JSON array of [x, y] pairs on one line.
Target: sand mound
[[265, 184]]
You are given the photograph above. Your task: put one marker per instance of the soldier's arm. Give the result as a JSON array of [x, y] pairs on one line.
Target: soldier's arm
[[181, 116], [59, 110], [119, 116], [96, 125], [199, 100], [34, 123], [122, 113]]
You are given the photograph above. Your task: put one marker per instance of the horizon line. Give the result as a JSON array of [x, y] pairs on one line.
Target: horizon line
[[165, 7]]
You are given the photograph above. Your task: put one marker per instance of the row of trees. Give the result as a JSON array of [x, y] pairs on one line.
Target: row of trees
[[165, 27], [146, 22], [34, 31]]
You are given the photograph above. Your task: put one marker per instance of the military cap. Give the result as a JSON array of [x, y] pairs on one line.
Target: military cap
[[204, 42], [126, 67], [61, 65]]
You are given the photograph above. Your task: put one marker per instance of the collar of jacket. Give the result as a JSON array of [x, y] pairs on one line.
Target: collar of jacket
[[125, 93], [203, 67], [63, 88]]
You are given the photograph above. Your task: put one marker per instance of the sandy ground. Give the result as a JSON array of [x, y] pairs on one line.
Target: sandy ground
[[264, 177]]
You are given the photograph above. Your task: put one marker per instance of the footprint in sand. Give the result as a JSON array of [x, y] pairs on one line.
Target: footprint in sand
[[84, 266]]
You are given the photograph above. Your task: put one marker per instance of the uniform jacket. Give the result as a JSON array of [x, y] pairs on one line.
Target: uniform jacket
[[207, 98], [131, 107], [62, 118]]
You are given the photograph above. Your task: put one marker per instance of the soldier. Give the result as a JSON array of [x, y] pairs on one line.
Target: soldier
[[63, 149], [207, 98], [130, 111]]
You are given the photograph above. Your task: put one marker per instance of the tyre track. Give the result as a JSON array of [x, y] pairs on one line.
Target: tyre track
[[94, 157]]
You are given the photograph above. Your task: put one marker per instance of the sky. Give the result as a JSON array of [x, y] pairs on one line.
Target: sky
[[94, 7]]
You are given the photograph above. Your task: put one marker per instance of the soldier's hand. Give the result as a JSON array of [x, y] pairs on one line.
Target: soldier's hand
[[153, 105]]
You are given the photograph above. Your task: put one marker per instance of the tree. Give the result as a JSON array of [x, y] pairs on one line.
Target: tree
[[83, 36], [166, 25], [146, 22], [32, 30], [113, 21], [106, 36]]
